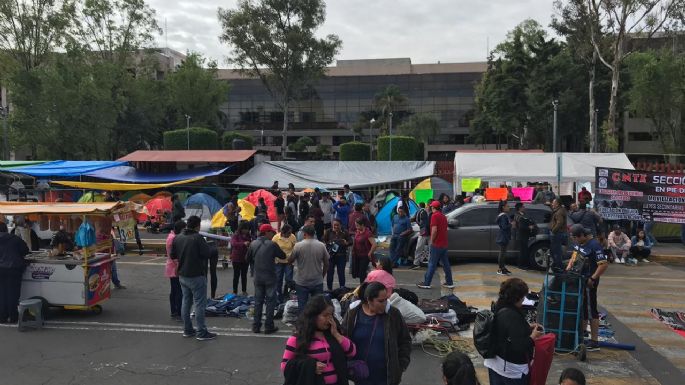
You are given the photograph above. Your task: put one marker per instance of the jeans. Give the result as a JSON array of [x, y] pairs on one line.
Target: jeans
[[648, 231], [556, 242], [10, 289], [264, 293], [214, 281], [421, 251], [501, 258], [496, 379], [115, 275], [524, 254], [397, 244], [240, 272], [304, 292], [283, 272], [194, 292], [339, 262], [175, 296], [438, 255]]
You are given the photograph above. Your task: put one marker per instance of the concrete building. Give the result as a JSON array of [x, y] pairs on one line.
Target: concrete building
[[345, 96]]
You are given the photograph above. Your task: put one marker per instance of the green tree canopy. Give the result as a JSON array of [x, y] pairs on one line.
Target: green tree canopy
[[421, 126], [387, 102]]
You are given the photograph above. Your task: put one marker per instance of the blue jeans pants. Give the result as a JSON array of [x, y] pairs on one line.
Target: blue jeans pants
[[438, 255], [336, 262], [397, 244], [304, 292], [115, 275], [556, 242], [284, 272], [264, 293], [194, 292]]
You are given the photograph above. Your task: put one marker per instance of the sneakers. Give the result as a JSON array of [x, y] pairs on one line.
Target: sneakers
[[645, 260], [415, 267], [619, 260], [271, 330], [189, 334], [422, 285], [256, 330], [592, 346], [450, 286], [503, 272], [119, 286], [205, 336]]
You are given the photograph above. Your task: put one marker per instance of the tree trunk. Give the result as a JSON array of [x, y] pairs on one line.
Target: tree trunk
[[284, 144], [612, 134], [591, 93]]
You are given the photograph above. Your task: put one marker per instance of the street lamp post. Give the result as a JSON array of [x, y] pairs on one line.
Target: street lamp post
[[555, 103], [5, 149], [390, 131], [188, 130], [371, 122]]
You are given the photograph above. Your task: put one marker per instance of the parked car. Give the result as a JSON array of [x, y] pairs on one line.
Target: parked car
[[472, 232]]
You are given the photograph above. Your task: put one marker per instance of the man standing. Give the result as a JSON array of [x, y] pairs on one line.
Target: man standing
[[310, 221], [342, 211], [401, 228], [558, 229], [423, 220], [348, 194], [12, 264], [584, 196], [192, 252], [438, 249], [326, 205], [262, 255], [588, 218], [279, 205], [524, 226], [178, 212], [594, 266], [311, 264]]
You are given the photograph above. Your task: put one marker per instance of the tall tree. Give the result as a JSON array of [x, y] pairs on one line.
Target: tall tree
[[422, 127], [195, 91], [387, 102], [275, 41], [621, 19]]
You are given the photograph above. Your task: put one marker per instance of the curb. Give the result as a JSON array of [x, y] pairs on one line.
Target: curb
[[672, 259]]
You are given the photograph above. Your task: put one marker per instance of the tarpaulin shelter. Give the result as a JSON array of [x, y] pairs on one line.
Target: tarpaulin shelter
[[246, 213], [19, 163], [64, 168], [201, 199], [334, 174], [118, 186], [565, 168], [381, 198], [183, 195], [269, 199], [132, 175], [219, 193], [431, 188], [384, 216]]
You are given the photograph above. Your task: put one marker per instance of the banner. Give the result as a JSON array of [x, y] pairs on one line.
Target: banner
[[470, 184], [525, 194], [640, 195], [496, 193]]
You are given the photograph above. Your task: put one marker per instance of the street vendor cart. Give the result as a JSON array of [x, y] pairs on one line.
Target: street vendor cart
[[79, 279]]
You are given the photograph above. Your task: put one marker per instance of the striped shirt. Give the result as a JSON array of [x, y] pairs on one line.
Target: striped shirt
[[320, 351]]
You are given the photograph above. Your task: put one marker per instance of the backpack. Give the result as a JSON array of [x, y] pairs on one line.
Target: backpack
[[484, 338]]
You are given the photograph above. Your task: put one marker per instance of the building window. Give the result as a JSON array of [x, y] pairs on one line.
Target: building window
[[640, 137], [307, 117], [249, 117]]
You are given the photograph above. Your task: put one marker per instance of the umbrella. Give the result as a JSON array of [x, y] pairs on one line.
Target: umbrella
[[431, 188], [156, 206]]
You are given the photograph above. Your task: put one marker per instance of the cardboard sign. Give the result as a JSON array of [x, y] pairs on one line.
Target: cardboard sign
[[525, 194], [496, 193], [470, 184]]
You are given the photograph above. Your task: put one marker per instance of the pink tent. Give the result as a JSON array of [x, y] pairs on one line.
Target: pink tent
[[269, 199]]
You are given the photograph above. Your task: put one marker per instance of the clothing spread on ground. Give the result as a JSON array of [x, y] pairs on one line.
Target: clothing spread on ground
[[673, 319]]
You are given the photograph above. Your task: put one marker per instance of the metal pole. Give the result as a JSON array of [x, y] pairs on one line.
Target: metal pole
[[555, 103], [188, 130], [390, 130], [594, 138], [5, 148], [371, 122]]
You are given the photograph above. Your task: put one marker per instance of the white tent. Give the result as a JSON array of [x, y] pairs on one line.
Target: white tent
[[534, 166]]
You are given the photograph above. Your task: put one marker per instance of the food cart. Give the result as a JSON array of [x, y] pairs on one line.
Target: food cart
[[78, 280]]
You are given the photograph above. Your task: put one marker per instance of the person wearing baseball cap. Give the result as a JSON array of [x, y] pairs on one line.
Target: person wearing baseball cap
[[438, 248], [594, 264], [262, 256]]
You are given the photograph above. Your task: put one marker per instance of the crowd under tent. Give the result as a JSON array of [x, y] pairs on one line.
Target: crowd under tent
[[562, 170], [334, 174]]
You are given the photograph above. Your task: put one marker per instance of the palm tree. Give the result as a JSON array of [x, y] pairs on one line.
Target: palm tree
[[388, 101]]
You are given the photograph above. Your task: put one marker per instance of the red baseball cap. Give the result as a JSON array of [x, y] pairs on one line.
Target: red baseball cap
[[265, 228], [436, 204]]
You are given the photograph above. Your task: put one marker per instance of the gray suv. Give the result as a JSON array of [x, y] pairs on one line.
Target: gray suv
[[472, 232]]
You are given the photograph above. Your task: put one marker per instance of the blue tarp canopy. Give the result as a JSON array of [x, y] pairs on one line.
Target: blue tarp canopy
[[65, 168], [202, 199], [131, 175], [384, 217]]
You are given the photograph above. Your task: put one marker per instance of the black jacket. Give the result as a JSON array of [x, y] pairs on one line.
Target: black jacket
[[513, 336], [261, 254], [397, 341], [192, 252], [12, 252], [301, 370]]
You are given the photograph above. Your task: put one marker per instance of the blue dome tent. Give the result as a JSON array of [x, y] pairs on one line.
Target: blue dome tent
[[387, 211], [202, 199]]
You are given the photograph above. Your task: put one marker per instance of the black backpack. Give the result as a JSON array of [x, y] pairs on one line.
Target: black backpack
[[484, 338]]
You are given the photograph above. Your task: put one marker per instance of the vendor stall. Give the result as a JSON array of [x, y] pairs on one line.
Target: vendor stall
[[78, 279]]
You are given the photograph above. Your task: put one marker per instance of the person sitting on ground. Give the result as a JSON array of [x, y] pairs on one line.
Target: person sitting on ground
[[641, 246], [383, 274], [619, 244], [457, 369], [317, 335], [572, 376]]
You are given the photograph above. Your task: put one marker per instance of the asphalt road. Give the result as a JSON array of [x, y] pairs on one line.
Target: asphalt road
[[134, 342]]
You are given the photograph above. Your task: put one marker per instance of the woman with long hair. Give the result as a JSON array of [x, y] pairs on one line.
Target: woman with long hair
[[457, 369], [317, 336], [363, 248], [515, 338], [503, 236], [383, 274], [240, 241], [170, 271]]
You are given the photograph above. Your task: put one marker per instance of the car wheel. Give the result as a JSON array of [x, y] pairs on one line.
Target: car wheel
[[540, 255]]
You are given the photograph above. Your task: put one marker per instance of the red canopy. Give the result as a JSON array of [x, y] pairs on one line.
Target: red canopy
[[156, 207], [269, 199]]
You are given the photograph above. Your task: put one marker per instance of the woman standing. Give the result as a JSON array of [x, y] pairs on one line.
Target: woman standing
[[362, 251], [503, 236], [380, 334], [317, 213], [317, 336], [336, 240], [240, 241], [170, 271], [524, 226], [286, 240], [515, 338]]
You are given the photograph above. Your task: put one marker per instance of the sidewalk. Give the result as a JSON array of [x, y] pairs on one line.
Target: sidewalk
[[668, 253]]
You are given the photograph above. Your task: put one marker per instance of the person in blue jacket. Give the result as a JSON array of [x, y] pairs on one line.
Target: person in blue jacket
[[342, 211], [503, 236], [641, 246]]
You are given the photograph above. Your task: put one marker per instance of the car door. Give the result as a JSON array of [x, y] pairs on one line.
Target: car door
[[472, 236]]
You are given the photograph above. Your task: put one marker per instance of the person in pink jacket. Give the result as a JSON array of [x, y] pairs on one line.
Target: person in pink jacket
[[170, 271], [383, 274]]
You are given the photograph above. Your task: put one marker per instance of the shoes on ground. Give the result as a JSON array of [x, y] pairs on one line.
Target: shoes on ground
[[120, 287], [450, 286], [189, 333], [205, 336], [503, 272], [645, 260], [422, 285], [592, 346], [271, 330], [416, 267]]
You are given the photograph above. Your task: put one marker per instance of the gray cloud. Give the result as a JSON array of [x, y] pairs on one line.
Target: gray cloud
[[426, 31]]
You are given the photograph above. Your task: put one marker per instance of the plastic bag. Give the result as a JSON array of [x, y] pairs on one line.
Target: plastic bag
[[450, 316], [410, 312], [337, 310], [290, 312]]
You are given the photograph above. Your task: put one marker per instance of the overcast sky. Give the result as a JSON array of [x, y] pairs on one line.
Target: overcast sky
[[426, 31]]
